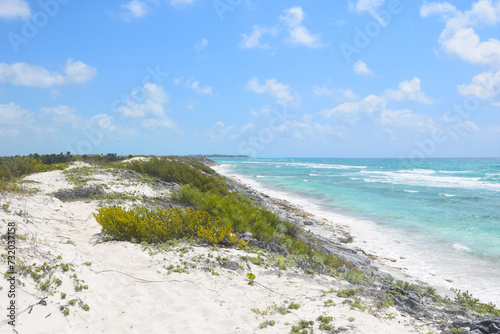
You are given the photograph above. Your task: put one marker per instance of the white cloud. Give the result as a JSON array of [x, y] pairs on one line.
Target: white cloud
[[375, 108], [247, 127], [350, 111], [282, 93], [264, 111], [106, 123], [409, 91], [341, 94], [370, 6], [253, 40], [469, 126], [221, 131], [299, 34], [22, 74], [161, 123], [485, 86], [361, 68], [12, 9], [154, 98], [201, 45], [195, 85], [437, 8], [135, 9], [459, 38], [291, 22], [61, 114], [13, 119], [406, 119]]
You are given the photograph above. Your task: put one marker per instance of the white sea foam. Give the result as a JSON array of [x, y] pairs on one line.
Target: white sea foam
[[411, 191], [461, 247], [448, 195], [323, 166], [426, 178]]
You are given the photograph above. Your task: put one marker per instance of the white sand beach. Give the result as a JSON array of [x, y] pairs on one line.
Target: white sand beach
[[130, 288]]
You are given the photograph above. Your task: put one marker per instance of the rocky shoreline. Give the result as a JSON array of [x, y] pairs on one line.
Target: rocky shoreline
[[441, 312]]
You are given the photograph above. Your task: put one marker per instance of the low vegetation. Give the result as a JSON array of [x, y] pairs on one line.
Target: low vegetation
[[159, 225]]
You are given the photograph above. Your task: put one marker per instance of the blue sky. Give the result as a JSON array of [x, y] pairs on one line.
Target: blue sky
[[380, 78]]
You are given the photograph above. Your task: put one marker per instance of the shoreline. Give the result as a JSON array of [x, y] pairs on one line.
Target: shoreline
[[388, 251], [72, 276]]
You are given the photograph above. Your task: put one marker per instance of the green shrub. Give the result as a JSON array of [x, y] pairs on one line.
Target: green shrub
[[159, 225], [185, 171]]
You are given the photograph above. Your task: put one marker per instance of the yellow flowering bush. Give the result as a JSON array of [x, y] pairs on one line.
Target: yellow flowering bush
[[159, 225]]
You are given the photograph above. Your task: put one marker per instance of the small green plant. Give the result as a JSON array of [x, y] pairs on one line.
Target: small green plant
[[355, 277], [64, 311], [63, 295], [306, 324], [310, 272], [324, 320], [251, 278], [267, 323], [357, 304], [65, 266], [255, 260], [86, 308], [293, 306], [348, 292], [328, 303], [72, 302], [88, 264], [79, 287], [351, 319]]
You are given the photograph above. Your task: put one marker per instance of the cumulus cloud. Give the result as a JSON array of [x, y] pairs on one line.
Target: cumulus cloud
[[146, 102], [459, 37], [61, 114], [134, 9], [361, 68], [22, 74], [281, 92], [340, 94], [409, 91], [253, 40], [292, 22], [485, 86], [376, 108], [195, 85], [298, 33], [370, 6], [13, 119], [13, 9]]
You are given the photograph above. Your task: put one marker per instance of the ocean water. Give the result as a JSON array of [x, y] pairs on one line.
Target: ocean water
[[442, 216]]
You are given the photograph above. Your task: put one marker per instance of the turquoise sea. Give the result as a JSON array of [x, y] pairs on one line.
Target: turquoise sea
[[448, 210]]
